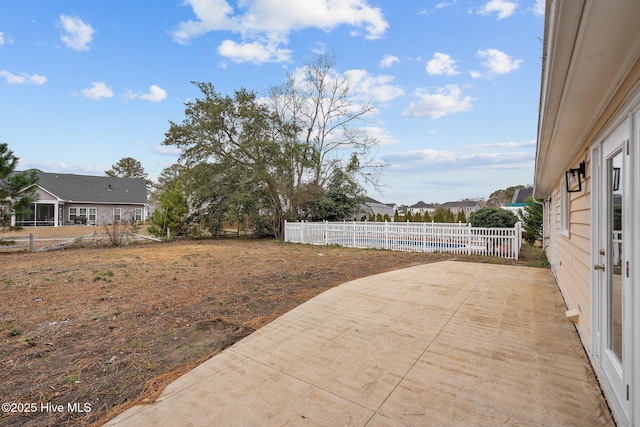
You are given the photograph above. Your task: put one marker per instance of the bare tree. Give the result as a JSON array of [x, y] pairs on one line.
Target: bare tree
[[318, 101]]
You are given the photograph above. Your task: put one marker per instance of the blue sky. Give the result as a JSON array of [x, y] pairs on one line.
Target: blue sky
[[86, 83]]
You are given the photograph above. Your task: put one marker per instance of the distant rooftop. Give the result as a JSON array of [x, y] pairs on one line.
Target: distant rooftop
[[520, 196], [96, 189]]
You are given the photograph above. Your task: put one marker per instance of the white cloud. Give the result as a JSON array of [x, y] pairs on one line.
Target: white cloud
[[500, 145], [23, 78], [539, 7], [441, 64], [441, 5], [444, 4], [167, 151], [362, 85], [444, 101], [76, 34], [5, 39], [498, 62], [378, 88], [495, 155], [503, 8], [156, 94], [98, 90], [388, 61], [255, 52], [381, 135], [211, 15], [290, 15], [263, 26], [430, 159]]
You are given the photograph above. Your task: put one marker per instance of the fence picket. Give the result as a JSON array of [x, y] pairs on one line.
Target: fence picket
[[426, 237]]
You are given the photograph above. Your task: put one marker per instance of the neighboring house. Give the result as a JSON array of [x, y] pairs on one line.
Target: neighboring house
[[70, 199], [402, 210], [373, 207], [422, 207], [393, 206], [519, 200], [520, 196], [467, 206], [587, 172]]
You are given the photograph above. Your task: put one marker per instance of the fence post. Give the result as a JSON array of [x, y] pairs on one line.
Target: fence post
[[302, 231], [354, 235], [30, 242], [386, 235], [468, 238], [424, 237], [518, 239], [326, 230]]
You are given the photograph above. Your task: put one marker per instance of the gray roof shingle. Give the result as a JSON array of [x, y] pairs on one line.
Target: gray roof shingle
[[521, 195], [97, 189]]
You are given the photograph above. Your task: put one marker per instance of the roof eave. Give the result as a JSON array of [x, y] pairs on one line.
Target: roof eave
[[589, 47]]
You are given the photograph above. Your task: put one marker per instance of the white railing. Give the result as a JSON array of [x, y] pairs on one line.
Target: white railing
[[410, 236]]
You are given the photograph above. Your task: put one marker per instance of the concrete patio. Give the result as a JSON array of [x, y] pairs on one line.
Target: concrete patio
[[444, 344]]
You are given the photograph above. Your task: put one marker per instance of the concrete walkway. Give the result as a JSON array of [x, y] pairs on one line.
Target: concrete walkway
[[444, 344]]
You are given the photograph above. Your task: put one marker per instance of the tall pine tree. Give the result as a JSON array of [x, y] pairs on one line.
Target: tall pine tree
[[17, 190]]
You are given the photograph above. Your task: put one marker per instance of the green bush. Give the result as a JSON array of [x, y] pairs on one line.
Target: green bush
[[493, 217]]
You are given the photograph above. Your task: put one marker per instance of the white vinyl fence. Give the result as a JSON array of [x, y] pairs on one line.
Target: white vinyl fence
[[410, 236]]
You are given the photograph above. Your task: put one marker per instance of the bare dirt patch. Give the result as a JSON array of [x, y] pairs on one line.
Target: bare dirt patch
[[111, 327]]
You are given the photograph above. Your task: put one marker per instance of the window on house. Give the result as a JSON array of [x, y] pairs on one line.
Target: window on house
[[138, 214], [93, 214], [564, 209], [117, 214], [73, 212], [83, 212]]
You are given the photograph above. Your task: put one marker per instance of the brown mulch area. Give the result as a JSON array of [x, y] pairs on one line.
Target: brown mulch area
[[106, 328]]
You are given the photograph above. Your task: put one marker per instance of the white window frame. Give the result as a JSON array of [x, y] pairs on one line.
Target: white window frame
[[117, 214], [73, 213], [93, 214], [137, 214]]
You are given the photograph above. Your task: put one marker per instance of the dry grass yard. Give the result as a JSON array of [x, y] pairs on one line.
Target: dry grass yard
[[89, 331]]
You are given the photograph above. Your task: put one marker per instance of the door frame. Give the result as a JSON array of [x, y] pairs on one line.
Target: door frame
[[554, 233], [622, 392]]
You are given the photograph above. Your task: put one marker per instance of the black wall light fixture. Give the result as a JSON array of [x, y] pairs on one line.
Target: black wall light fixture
[[573, 175]]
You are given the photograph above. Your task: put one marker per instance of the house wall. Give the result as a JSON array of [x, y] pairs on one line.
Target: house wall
[[421, 210], [590, 105], [43, 196], [573, 258], [468, 210], [572, 266], [577, 253], [104, 213]]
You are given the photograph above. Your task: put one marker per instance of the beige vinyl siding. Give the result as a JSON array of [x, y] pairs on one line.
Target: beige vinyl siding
[[573, 264]]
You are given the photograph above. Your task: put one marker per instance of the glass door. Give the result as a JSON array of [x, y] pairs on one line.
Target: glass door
[[611, 268], [614, 273]]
